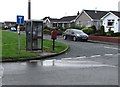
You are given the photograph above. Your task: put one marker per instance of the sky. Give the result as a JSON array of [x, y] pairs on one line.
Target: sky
[[9, 9]]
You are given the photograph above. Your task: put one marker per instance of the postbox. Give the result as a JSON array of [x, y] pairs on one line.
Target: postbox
[[34, 35], [53, 34]]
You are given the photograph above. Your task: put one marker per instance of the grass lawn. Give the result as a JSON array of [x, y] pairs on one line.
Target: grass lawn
[[10, 46]]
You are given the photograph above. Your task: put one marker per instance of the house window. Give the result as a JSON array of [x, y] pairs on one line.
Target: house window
[[110, 23], [54, 24]]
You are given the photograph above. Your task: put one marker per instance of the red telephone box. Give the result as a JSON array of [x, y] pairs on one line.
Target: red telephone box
[[54, 34]]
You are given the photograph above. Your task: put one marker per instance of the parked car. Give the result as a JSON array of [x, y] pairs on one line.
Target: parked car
[[13, 29], [75, 35]]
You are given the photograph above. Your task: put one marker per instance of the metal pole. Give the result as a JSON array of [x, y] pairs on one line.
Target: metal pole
[[18, 30], [19, 43], [53, 44], [29, 9]]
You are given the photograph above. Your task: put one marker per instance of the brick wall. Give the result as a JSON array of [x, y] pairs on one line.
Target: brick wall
[[104, 38]]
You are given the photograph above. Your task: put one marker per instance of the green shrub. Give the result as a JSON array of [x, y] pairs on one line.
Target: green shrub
[[46, 27], [94, 28], [110, 32], [117, 34], [101, 31], [75, 26], [88, 30], [46, 31]]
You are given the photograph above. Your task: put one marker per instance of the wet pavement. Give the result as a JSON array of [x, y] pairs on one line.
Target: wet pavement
[[60, 72]]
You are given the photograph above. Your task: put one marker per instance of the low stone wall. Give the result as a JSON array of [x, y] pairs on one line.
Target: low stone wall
[[104, 38]]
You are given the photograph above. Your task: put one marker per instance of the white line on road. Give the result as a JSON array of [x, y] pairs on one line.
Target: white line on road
[[82, 57], [108, 54], [71, 63], [114, 48], [95, 56]]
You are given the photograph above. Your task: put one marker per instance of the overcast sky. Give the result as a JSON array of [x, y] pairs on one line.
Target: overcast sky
[[9, 9]]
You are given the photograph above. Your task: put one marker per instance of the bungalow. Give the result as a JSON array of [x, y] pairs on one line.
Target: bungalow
[[10, 23], [49, 22], [111, 21], [63, 22], [88, 18]]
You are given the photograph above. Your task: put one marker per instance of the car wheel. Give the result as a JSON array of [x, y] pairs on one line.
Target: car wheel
[[74, 39], [64, 37]]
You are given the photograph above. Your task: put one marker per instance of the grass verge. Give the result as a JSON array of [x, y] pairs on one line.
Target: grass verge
[[10, 46]]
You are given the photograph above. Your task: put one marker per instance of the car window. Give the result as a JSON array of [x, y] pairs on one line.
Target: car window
[[79, 32]]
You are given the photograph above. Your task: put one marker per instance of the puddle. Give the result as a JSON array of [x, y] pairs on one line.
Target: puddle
[[70, 63]]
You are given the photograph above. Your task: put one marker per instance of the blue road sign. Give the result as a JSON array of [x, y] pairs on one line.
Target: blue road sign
[[20, 19]]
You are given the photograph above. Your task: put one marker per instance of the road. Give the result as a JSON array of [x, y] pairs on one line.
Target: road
[[86, 63]]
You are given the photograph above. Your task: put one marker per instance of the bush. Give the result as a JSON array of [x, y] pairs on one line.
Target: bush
[[110, 32], [116, 34], [75, 26], [94, 28], [101, 31], [46, 31], [46, 27], [88, 30]]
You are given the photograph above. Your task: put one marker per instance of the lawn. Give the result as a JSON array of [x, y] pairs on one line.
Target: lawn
[[10, 46]]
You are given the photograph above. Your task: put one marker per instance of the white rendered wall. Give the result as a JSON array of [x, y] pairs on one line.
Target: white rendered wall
[[116, 23]]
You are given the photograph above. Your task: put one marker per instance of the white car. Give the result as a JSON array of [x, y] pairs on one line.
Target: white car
[[13, 29]]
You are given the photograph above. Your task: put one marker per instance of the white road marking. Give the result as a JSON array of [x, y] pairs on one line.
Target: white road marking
[[66, 58], [74, 63], [108, 54], [82, 57], [81, 62], [114, 48], [96, 56]]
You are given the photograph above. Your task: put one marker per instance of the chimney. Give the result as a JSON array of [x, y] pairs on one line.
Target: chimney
[[29, 9], [78, 13], [96, 10]]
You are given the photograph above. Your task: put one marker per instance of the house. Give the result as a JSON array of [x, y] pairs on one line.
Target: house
[[63, 22], [87, 18], [111, 20], [50, 22], [9, 23]]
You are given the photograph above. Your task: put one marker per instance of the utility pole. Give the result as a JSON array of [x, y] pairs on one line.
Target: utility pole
[[29, 9]]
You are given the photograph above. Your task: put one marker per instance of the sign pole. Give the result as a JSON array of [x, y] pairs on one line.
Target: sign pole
[[53, 44], [20, 21], [18, 30]]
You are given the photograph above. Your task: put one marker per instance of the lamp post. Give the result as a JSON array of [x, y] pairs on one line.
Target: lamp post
[[29, 9]]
